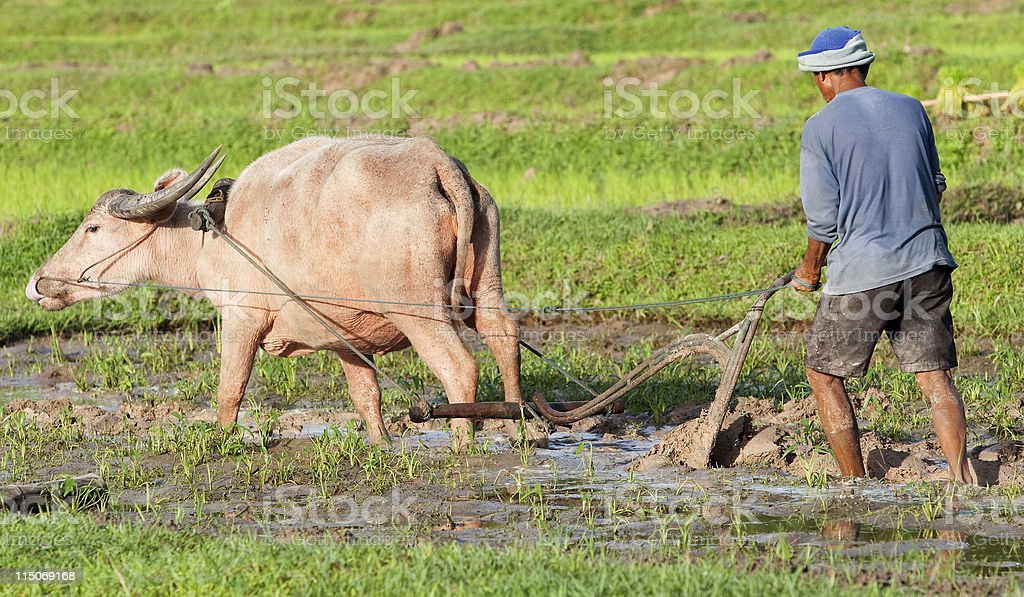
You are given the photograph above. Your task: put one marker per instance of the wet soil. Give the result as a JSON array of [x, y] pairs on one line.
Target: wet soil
[[617, 481]]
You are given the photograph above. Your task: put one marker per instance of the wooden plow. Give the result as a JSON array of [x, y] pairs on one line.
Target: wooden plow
[[730, 359]]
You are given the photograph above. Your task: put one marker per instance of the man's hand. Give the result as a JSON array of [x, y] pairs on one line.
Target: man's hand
[[808, 276], [804, 282]]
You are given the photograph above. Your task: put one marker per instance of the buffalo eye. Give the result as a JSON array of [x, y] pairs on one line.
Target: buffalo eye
[[91, 229]]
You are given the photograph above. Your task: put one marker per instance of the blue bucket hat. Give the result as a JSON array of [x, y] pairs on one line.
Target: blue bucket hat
[[833, 48]]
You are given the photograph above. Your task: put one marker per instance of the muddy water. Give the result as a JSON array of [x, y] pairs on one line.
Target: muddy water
[[584, 488], [581, 491]]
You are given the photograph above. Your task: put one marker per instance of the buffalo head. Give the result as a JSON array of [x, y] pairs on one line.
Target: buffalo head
[[103, 248]]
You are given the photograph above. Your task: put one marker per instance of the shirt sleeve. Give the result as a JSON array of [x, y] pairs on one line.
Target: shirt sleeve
[[933, 155], [819, 190]]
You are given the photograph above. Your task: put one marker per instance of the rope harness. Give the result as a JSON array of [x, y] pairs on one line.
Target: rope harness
[[129, 247], [201, 219]]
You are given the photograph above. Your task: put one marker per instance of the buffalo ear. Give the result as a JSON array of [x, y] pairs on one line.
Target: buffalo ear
[[168, 178]]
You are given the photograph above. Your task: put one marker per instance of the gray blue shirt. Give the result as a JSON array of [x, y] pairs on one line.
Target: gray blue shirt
[[870, 183]]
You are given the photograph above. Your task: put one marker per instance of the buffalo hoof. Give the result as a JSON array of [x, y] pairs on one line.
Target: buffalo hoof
[[533, 433]]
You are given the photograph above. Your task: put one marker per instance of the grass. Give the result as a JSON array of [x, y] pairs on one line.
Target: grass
[[147, 560], [140, 112]]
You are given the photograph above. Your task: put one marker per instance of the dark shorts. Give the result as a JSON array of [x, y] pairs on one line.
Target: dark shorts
[[914, 314]]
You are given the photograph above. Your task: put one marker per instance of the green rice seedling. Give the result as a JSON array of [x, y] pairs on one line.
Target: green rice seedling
[[278, 470], [327, 453], [56, 354], [230, 441], [20, 435], [245, 469], [281, 377], [115, 370], [379, 467], [523, 447], [64, 433], [199, 385], [133, 473], [408, 461], [265, 421], [72, 498], [532, 495], [585, 450], [191, 443]]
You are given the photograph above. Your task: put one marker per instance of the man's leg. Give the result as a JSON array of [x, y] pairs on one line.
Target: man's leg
[[950, 422], [838, 420], [924, 346]]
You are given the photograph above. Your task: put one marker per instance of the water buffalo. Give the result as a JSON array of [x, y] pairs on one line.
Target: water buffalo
[[386, 218]]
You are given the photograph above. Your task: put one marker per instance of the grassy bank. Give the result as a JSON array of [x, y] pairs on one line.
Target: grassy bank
[[148, 560]]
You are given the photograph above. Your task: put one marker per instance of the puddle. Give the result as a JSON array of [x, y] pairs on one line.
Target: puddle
[[28, 388]]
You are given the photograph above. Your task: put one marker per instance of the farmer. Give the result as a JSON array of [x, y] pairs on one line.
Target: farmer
[[871, 184]]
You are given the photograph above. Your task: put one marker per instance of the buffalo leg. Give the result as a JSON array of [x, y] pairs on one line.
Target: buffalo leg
[[365, 392], [439, 345], [493, 321], [237, 355], [501, 333]]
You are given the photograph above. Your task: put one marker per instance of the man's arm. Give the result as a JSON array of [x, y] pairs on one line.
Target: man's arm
[[809, 272], [819, 191]]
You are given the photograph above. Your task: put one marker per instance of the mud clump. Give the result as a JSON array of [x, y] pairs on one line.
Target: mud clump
[[359, 76], [1010, 451], [758, 57], [656, 9], [507, 121], [756, 433], [199, 68], [655, 69], [764, 448], [576, 59], [984, 203], [795, 411], [747, 437], [899, 463], [682, 445], [724, 211], [44, 412], [418, 38], [131, 415], [753, 16], [353, 18]]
